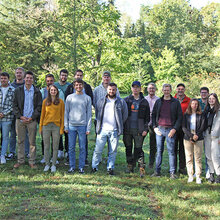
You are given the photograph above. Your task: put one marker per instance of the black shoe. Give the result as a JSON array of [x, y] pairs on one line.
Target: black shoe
[[71, 170], [211, 178], [10, 156], [110, 172], [217, 179], [81, 171], [182, 171], [86, 163], [94, 170], [156, 174], [173, 176]]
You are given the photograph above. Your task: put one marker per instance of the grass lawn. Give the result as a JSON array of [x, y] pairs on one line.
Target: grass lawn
[[33, 194]]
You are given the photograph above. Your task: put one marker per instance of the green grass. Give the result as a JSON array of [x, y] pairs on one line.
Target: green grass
[[33, 194]]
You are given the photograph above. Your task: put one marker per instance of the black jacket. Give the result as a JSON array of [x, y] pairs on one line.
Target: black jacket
[[143, 114], [87, 87], [19, 103], [200, 126], [176, 113]]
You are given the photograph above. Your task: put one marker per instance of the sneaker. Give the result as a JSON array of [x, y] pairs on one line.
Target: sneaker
[[46, 168], [10, 156], [71, 170], [42, 161], [190, 179], [3, 160], [156, 174], [217, 179], [198, 180], [173, 176], [53, 169], [94, 170], [57, 162], [110, 172], [142, 172], [28, 156], [60, 154], [86, 163], [211, 178], [81, 171]]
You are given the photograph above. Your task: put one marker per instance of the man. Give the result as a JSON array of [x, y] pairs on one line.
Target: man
[[27, 109], [62, 84], [166, 120], [19, 81], [77, 121], [204, 93], [111, 113], [179, 146], [136, 127], [6, 112], [88, 91], [151, 98]]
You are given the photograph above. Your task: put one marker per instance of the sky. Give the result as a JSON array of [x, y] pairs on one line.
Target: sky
[[132, 7]]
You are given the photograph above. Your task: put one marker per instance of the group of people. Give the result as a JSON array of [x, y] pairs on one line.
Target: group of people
[[64, 110]]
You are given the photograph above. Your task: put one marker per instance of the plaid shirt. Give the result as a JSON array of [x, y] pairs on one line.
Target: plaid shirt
[[7, 107]]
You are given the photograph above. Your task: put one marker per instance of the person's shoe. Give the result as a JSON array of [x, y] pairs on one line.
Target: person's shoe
[[57, 162], [67, 163], [190, 179], [94, 170], [173, 176], [217, 179], [33, 166], [156, 174], [86, 163], [10, 156], [142, 172], [110, 172], [42, 161], [60, 154], [71, 170], [198, 180], [130, 169], [211, 178], [28, 156], [46, 168], [53, 169], [17, 165], [183, 171], [3, 160], [81, 171]]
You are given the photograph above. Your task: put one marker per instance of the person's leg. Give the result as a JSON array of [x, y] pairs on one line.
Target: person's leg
[[208, 152], [128, 142], [215, 155], [153, 147], [6, 127], [198, 146], [182, 159], [46, 138], [82, 145], [56, 140], [27, 144], [72, 134], [12, 142], [189, 148], [86, 158]]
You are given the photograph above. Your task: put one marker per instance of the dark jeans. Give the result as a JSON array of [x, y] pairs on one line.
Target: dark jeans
[[179, 150], [134, 137], [66, 142], [153, 146]]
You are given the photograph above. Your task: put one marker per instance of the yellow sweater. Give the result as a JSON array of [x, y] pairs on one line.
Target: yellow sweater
[[52, 113]]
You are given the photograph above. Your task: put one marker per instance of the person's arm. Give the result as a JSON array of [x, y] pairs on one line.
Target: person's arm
[[66, 115], [42, 116], [89, 116], [37, 109], [124, 111], [179, 113], [62, 110], [184, 127], [17, 99], [147, 116]]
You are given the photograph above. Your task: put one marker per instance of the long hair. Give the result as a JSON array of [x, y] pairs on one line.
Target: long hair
[[216, 106], [189, 108], [49, 98]]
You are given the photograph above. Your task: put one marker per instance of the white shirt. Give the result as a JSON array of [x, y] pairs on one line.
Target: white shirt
[[4, 92], [193, 121]]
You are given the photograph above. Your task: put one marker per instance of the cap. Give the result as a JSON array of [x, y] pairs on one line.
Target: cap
[[136, 83], [106, 73]]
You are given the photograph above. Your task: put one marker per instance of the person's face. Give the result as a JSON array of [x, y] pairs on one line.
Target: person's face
[[180, 90], [79, 75], [204, 94], [111, 90], [135, 90], [19, 74], [212, 100], [63, 77], [106, 79], [4, 81], [194, 105], [166, 91], [49, 81], [53, 91], [151, 90], [78, 87], [29, 79]]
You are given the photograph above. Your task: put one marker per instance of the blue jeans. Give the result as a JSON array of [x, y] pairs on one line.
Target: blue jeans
[[170, 148], [6, 127], [72, 134], [112, 138]]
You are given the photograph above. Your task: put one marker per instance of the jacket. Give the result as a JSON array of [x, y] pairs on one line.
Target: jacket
[[120, 110], [184, 104], [19, 103], [143, 114], [200, 125], [176, 113]]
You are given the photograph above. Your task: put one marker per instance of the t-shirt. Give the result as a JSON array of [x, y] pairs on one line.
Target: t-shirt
[[165, 114], [4, 92], [193, 121], [62, 87], [134, 113]]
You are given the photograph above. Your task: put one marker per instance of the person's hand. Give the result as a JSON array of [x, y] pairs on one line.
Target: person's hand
[[144, 133], [195, 137], [1, 115], [24, 119], [171, 133], [88, 132], [66, 131], [157, 131]]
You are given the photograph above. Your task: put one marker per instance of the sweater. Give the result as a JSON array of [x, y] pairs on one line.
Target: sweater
[[184, 104], [52, 114]]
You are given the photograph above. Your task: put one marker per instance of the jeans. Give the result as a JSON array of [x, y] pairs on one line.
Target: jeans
[[153, 146], [112, 138], [6, 127], [72, 134], [170, 148]]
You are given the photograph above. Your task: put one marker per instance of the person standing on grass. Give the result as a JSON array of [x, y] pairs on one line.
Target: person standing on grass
[[62, 84], [193, 126], [111, 114], [52, 124], [166, 120], [152, 98], [179, 147], [6, 112], [136, 128], [88, 91], [77, 121], [27, 109], [212, 137]]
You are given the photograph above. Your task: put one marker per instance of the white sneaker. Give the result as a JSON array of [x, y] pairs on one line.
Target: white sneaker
[[190, 179], [42, 161], [46, 168], [53, 169], [198, 180], [3, 160], [57, 162]]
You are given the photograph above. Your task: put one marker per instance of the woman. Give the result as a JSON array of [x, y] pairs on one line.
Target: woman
[[52, 124], [193, 127], [212, 137]]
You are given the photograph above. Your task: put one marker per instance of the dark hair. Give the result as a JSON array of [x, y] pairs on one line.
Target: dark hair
[[5, 74], [204, 88], [64, 71], [112, 84], [49, 98], [78, 81], [189, 108], [28, 73], [79, 70], [180, 84], [49, 75], [216, 106]]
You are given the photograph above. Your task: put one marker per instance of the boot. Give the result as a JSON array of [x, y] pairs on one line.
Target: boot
[[142, 170], [211, 178]]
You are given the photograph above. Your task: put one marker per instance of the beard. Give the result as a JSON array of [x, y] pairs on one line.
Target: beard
[[111, 96]]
